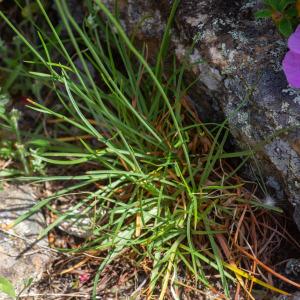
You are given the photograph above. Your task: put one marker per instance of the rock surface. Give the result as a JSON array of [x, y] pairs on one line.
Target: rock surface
[[237, 60], [295, 296], [21, 256]]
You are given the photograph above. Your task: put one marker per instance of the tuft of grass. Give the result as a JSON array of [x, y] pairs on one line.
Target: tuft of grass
[[156, 180]]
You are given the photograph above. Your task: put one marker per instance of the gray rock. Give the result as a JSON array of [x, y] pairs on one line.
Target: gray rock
[[237, 60], [77, 224], [21, 256], [295, 296]]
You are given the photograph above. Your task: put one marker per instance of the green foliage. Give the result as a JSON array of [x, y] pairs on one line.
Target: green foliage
[[10, 144], [7, 287], [284, 13], [12, 141]]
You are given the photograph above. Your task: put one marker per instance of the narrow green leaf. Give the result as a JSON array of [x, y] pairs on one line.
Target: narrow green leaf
[[7, 287]]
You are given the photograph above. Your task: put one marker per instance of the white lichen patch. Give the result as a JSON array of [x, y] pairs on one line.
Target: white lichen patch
[[197, 21], [208, 36], [273, 117], [276, 55], [238, 119], [239, 36], [285, 106], [293, 92], [279, 158], [230, 56], [154, 21], [297, 100], [242, 117], [293, 121], [285, 159], [249, 4], [218, 23], [150, 22]]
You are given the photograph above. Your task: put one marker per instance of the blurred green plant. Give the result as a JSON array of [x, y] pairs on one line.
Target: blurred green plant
[[15, 145], [7, 287], [11, 145]]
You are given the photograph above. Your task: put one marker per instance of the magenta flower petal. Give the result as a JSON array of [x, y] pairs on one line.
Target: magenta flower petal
[[291, 68], [294, 41], [83, 278]]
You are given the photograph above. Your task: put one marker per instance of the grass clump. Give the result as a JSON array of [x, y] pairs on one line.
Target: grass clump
[[125, 139]]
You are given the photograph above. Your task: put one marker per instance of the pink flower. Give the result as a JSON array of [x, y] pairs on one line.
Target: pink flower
[[83, 278], [291, 61], [294, 41]]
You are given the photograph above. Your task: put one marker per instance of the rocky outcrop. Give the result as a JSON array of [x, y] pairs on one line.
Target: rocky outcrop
[[22, 256], [237, 60]]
